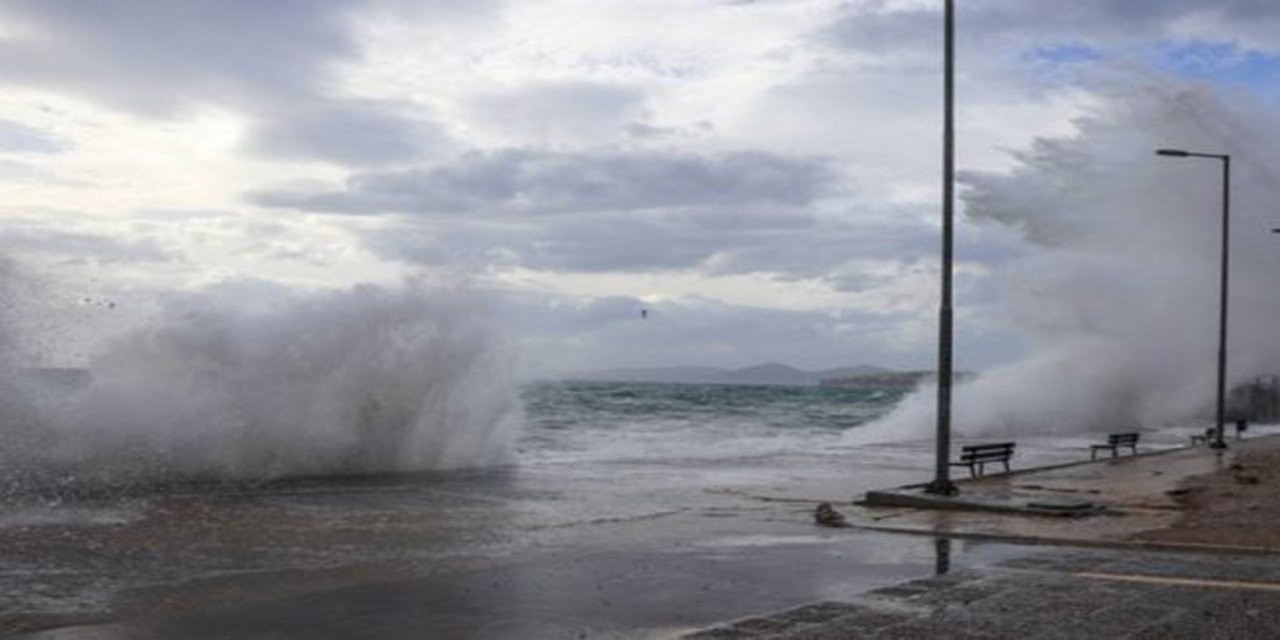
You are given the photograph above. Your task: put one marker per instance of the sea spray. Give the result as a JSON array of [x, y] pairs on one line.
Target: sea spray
[[1117, 285], [228, 387]]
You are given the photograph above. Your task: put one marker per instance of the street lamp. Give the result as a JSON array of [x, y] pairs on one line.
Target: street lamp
[[1218, 441], [942, 484]]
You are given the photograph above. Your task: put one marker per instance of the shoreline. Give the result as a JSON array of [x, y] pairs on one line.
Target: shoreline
[[552, 550]]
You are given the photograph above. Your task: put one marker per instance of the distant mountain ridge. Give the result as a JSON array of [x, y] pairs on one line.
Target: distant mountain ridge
[[768, 373]]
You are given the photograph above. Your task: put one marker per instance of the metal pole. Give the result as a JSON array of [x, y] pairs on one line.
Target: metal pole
[[1219, 442], [942, 484]]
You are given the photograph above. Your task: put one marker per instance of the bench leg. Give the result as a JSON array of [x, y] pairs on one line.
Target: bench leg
[[1093, 454], [1006, 466]]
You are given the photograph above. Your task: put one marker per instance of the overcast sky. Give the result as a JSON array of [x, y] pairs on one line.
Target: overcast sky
[[762, 175]]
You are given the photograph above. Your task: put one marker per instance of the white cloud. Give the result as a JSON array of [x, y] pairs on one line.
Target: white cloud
[[558, 114], [775, 154]]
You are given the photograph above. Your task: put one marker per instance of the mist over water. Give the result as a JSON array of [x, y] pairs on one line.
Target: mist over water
[[1117, 286], [228, 387]]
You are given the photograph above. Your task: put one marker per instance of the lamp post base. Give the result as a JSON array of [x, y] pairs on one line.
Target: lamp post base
[[942, 488]]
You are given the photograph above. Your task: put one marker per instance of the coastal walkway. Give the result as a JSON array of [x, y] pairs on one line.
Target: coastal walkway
[[1058, 594], [1181, 543], [1178, 544]]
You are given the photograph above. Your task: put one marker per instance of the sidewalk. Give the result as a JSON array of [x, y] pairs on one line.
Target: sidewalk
[[1126, 495], [1193, 498], [1059, 594], [1179, 544]]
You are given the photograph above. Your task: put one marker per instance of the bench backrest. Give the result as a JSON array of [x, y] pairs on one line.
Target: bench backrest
[[1122, 439], [999, 450]]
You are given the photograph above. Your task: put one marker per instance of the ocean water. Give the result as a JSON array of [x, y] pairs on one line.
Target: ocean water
[[655, 423], [633, 421]]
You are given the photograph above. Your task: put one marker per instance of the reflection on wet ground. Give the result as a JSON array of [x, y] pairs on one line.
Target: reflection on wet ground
[[1053, 594], [606, 549]]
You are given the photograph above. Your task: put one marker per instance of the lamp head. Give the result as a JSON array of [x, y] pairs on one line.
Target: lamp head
[[1176, 153]]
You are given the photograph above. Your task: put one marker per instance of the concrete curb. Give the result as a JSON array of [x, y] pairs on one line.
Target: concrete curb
[[1146, 545], [1057, 507]]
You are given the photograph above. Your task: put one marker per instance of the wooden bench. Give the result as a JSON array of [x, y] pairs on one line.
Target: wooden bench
[[1114, 442], [976, 456]]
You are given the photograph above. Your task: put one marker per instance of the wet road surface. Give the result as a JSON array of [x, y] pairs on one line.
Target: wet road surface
[[618, 550], [625, 549], [1055, 594]]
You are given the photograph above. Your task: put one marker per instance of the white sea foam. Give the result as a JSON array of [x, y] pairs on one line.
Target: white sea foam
[[225, 385], [1117, 288]]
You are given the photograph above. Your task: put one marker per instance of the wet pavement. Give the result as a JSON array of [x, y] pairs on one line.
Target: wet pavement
[[1125, 496], [1092, 577], [630, 550], [567, 593], [619, 550], [1057, 594]]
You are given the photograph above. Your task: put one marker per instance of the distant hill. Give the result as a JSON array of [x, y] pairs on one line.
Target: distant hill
[[689, 375], [860, 370], [773, 373]]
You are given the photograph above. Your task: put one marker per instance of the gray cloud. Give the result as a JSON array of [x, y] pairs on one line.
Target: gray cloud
[[542, 182], [593, 212], [786, 244], [1015, 25], [158, 58], [603, 211], [271, 60], [351, 132]]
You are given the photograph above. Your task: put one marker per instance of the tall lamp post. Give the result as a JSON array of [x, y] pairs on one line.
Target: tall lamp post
[[1218, 441], [942, 484]]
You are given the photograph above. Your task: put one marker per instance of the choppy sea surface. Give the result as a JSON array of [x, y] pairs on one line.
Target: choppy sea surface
[[600, 421], [632, 422]]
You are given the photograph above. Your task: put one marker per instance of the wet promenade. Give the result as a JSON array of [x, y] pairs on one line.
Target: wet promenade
[[1135, 570], [1057, 594], [646, 550]]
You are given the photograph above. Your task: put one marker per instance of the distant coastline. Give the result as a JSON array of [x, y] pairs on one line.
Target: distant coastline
[[863, 376], [770, 373]]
